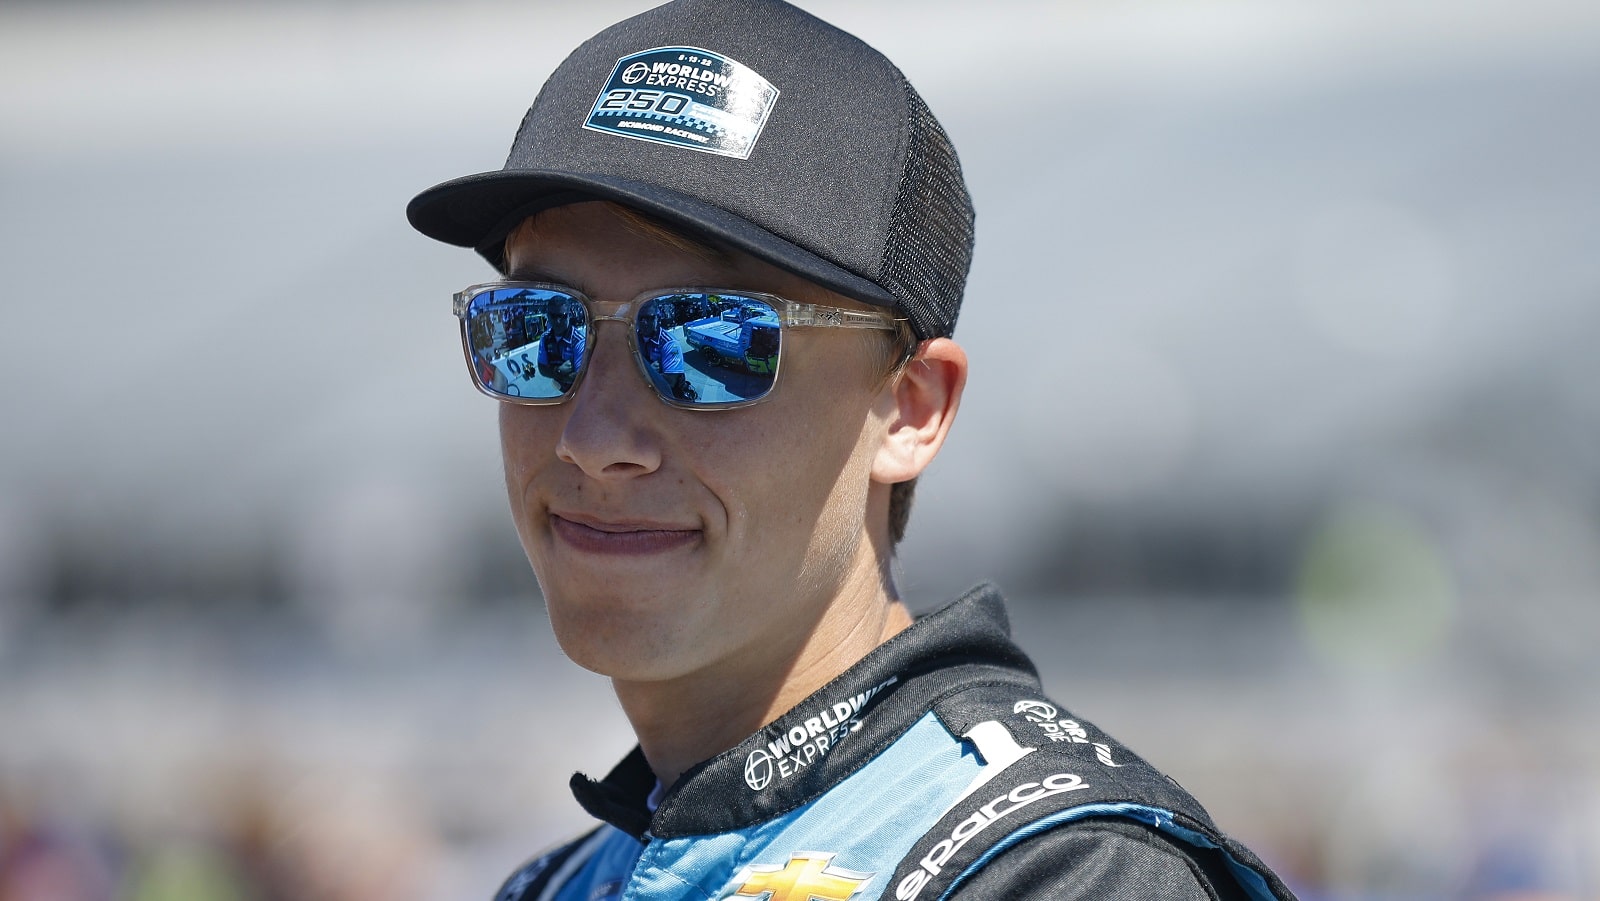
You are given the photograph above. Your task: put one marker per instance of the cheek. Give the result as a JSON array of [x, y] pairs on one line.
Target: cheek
[[794, 475], [527, 438]]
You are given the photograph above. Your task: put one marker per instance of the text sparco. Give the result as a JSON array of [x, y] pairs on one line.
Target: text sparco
[[981, 819]]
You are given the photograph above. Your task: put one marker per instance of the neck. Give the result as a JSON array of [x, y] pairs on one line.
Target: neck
[[682, 721]]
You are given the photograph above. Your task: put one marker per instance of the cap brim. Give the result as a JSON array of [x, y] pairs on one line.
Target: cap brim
[[478, 211]]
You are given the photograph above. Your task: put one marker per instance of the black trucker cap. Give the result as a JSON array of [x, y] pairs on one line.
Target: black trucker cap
[[750, 122]]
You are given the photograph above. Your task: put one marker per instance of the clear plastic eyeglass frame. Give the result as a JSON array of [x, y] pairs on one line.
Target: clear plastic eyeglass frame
[[790, 314]]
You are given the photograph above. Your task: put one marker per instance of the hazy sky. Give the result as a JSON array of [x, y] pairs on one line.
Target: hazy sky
[[1271, 244]]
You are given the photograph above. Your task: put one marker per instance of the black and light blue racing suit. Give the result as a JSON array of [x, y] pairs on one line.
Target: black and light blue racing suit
[[934, 768]]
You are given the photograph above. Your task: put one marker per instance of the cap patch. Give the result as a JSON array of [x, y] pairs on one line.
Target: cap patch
[[686, 97]]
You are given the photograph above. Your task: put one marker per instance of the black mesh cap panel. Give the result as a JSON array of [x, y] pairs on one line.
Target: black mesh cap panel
[[929, 251]]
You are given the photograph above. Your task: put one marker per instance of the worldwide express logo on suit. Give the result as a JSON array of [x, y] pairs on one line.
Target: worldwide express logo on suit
[[685, 97], [808, 741]]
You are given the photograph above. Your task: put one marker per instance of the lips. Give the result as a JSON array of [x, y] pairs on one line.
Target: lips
[[620, 537]]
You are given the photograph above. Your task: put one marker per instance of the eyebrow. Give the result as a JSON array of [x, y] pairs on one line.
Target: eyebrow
[[535, 274]]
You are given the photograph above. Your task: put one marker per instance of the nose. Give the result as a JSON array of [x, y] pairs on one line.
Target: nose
[[610, 431]]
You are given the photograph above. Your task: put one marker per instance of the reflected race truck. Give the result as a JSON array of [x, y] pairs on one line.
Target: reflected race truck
[[738, 336]]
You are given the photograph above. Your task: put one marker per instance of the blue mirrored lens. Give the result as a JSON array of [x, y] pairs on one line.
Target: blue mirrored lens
[[709, 348], [526, 342]]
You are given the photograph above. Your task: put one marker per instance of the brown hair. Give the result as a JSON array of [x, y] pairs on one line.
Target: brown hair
[[899, 346]]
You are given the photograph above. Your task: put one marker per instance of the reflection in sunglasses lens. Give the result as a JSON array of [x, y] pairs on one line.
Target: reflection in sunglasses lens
[[697, 348], [527, 342], [709, 348]]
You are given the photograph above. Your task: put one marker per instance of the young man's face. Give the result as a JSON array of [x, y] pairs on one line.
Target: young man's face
[[668, 541]]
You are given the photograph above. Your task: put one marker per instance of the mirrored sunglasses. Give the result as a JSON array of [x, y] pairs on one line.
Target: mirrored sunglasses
[[699, 348]]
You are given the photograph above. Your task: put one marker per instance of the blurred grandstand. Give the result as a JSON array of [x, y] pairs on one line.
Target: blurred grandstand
[[1283, 325]]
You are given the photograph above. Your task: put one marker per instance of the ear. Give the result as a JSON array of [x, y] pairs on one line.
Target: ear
[[923, 399]]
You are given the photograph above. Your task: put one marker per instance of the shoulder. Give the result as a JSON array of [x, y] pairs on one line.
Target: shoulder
[[1059, 803], [1103, 858], [531, 879]]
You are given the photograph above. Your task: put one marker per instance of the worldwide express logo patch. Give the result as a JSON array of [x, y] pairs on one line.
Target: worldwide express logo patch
[[686, 97]]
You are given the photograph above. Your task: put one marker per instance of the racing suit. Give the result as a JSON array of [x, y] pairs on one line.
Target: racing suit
[[933, 768]]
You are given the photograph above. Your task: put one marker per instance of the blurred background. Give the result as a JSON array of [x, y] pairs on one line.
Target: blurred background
[[1282, 433]]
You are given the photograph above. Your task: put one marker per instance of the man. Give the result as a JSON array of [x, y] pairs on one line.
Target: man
[[665, 356], [561, 350], [725, 560]]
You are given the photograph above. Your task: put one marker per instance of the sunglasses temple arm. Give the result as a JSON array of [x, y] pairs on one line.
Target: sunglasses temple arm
[[816, 316]]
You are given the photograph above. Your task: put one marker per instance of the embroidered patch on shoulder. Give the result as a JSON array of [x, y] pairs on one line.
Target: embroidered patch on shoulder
[[686, 97]]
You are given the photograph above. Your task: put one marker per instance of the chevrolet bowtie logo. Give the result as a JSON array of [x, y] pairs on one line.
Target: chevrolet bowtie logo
[[806, 877]]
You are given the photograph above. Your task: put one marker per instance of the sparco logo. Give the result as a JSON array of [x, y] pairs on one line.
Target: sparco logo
[[985, 816], [808, 741]]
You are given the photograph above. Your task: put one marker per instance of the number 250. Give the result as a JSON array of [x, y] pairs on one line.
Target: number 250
[[654, 101]]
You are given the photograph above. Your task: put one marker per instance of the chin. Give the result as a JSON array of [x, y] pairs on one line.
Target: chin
[[621, 643]]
